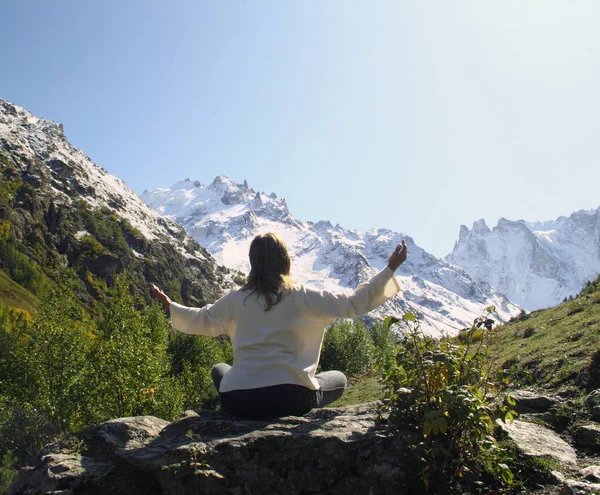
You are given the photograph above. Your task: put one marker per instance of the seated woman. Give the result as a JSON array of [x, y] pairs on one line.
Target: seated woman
[[276, 330]]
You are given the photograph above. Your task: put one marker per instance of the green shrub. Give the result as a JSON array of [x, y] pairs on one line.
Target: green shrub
[[130, 354], [7, 470], [348, 347], [384, 341], [19, 265], [438, 390]]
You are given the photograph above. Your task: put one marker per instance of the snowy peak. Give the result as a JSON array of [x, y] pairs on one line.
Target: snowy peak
[[480, 227], [536, 264], [225, 216]]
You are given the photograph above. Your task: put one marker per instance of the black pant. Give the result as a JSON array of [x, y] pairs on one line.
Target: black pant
[[279, 400]]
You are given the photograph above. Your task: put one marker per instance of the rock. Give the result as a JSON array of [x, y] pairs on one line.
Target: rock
[[591, 473], [576, 487], [535, 440], [588, 436], [58, 472], [593, 402], [327, 451], [530, 402], [593, 398], [126, 433], [595, 413]]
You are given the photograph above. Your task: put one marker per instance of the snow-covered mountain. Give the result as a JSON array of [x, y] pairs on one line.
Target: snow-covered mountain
[[536, 264], [54, 187], [225, 216]]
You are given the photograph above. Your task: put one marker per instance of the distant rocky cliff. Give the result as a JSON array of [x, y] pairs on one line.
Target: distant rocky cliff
[[535, 264]]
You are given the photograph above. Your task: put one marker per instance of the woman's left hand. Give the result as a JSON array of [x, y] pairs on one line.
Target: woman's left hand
[[398, 256]]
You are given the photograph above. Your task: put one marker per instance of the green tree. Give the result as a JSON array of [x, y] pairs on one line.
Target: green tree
[[130, 356], [53, 360], [348, 347]]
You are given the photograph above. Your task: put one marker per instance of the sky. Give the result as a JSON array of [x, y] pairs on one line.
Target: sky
[[412, 116]]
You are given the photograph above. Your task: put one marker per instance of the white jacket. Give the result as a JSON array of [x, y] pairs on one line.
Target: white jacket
[[281, 345]]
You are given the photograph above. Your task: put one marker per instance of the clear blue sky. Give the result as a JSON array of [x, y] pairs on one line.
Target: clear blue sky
[[414, 116]]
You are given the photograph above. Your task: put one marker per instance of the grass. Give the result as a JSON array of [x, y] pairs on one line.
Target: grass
[[360, 391], [553, 348], [16, 296]]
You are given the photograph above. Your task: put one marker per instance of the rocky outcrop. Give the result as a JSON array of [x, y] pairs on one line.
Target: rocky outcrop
[[327, 451], [64, 210], [537, 441], [530, 402]]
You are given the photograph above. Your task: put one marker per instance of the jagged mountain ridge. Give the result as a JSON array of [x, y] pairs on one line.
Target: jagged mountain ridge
[[225, 216], [52, 182], [536, 264]]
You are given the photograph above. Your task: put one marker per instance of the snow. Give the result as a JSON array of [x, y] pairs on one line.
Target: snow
[[536, 264], [325, 257]]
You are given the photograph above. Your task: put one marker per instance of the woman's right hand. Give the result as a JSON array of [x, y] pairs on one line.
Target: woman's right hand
[[160, 296], [398, 256]]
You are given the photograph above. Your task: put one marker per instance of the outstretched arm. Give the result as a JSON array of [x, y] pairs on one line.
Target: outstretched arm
[[212, 319], [366, 296]]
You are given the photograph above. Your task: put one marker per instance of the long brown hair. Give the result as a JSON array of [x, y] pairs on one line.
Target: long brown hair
[[270, 265]]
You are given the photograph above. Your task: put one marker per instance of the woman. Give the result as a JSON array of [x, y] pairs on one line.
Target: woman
[[276, 331]]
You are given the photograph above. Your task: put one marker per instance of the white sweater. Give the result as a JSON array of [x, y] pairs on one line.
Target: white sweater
[[281, 345]]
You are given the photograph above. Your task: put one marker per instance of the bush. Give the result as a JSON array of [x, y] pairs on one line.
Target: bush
[[438, 389], [7, 471], [348, 347]]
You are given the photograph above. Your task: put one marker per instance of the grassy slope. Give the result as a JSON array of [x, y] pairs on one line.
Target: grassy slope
[[549, 349], [16, 296], [360, 391], [552, 348]]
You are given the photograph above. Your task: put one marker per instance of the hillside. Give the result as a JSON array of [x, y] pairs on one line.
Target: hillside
[[554, 348], [63, 215]]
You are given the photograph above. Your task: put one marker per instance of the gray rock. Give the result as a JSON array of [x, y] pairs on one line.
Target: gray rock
[[588, 436], [576, 487], [593, 402], [327, 451], [531, 402], [593, 398], [535, 440], [591, 473], [126, 433], [58, 472]]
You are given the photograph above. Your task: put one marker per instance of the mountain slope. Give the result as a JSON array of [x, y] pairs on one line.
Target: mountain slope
[[60, 210], [554, 347], [224, 217], [536, 264]]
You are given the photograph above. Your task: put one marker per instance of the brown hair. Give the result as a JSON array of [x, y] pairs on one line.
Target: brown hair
[[269, 268]]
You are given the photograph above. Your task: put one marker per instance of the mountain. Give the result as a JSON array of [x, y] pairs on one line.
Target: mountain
[[536, 264], [60, 212], [225, 216]]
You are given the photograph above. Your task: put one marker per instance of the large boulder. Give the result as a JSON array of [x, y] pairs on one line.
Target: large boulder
[[537, 441], [337, 451], [528, 402]]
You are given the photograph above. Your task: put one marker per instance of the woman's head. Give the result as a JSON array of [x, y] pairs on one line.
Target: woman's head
[[270, 265]]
